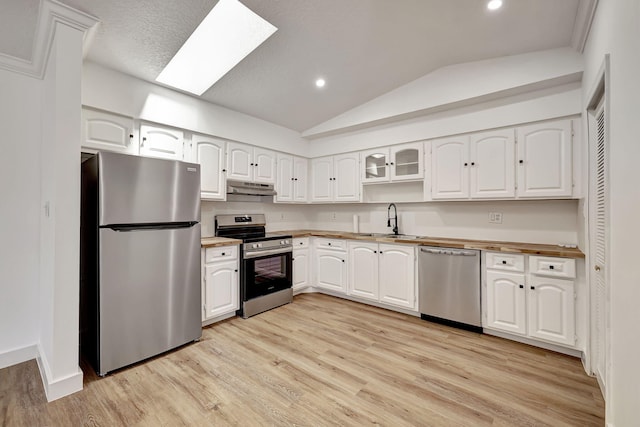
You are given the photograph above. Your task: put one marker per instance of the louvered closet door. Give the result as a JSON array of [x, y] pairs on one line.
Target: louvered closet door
[[599, 242]]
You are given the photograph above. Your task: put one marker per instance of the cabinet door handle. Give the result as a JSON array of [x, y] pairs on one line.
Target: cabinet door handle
[[465, 164], [224, 170], [375, 252], [391, 163], [596, 268], [533, 288], [342, 260], [473, 163], [144, 139], [251, 164], [256, 165], [521, 286], [295, 179], [521, 161], [236, 270], [386, 164]]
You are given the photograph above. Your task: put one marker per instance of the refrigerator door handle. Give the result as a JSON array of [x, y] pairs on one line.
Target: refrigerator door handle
[[153, 226]]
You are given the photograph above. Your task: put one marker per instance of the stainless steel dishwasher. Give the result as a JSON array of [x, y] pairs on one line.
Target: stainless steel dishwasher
[[449, 287]]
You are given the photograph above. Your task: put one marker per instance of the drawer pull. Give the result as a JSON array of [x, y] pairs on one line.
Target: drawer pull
[[551, 267], [223, 254], [521, 286], [504, 262]]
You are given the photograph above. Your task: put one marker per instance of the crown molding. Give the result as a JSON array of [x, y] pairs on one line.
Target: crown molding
[[52, 12], [582, 25]]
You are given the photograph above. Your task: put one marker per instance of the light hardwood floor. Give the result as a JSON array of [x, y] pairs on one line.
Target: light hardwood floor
[[323, 361]]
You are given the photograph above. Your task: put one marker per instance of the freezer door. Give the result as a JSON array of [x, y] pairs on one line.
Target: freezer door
[[149, 293], [135, 190]]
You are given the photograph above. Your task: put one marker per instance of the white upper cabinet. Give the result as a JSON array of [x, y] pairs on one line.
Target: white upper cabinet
[[406, 162], [252, 164], [208, 152], [396, 163], [346, 179], [375, 165], [265, 166], [491, 164], [108, 132], [335, 178], [301, 180], [450, 168], [322, 179], [291, 185], [545, 160], [162, 142]]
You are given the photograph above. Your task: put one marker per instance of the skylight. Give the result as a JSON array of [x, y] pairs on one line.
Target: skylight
[[229, 33]]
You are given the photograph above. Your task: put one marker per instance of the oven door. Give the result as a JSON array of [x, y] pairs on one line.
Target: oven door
[[266, 274]]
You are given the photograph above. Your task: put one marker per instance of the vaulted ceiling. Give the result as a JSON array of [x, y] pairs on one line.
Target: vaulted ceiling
[[363, 48]]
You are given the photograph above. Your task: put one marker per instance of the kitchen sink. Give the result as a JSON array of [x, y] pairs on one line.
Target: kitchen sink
[[388, 235]]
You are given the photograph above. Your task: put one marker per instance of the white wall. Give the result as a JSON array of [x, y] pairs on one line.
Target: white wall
[[20, 109], [551, 221], [564, 100], [60, 229], [470, 82], [109, 90], [616, 30]]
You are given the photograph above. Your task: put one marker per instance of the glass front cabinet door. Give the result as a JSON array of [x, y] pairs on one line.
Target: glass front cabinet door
[[406, 162], [375, 165]]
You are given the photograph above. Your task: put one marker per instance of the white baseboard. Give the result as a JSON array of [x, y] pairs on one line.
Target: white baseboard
[[19, 355], [55, 389]]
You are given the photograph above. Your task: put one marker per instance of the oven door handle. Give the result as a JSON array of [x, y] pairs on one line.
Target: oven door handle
[[258, 254]]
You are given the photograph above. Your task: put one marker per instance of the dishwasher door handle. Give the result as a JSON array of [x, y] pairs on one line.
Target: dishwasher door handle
[[448, 252]]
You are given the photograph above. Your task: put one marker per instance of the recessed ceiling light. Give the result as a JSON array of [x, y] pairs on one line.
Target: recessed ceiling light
[[494, 4], [320, 82], [225, 37]]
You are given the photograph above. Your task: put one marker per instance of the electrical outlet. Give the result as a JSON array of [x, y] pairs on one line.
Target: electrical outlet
[[495, 217]]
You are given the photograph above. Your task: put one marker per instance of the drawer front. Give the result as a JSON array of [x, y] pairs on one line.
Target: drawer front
[[220, 253], [300, 243], [551, 266], [336, 244], [505, 261]]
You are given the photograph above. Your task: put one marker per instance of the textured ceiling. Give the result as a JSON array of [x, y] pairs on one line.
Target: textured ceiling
[[364, 48], [17, 27]]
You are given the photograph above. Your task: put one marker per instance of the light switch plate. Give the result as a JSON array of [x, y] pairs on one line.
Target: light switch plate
[[495, 217]]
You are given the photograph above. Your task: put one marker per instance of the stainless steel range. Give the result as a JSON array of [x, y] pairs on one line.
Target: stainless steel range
[[265, 260]]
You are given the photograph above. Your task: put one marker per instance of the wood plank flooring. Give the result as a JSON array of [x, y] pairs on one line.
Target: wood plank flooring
[[323, 361]]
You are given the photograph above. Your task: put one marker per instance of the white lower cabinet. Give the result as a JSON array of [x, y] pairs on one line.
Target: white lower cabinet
[[551, 309], [331, 264], [532, 305], [220, 286], [506, 302], [383, 273], [300, 264]]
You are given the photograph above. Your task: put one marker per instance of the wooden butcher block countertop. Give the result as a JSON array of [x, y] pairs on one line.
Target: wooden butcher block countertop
[[212, 242], [485, 245]]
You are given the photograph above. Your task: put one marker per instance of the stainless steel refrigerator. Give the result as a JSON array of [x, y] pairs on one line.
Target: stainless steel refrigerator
[[140, 258]]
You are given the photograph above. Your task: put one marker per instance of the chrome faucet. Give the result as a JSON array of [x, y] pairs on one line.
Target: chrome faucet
[[395, 218]]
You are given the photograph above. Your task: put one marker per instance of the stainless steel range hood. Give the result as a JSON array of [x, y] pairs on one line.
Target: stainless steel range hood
[[249, 191]]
